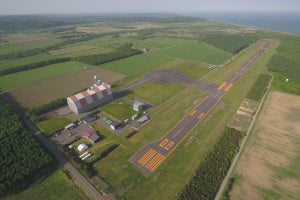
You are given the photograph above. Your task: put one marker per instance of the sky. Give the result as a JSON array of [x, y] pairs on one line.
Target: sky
[[13, 7]]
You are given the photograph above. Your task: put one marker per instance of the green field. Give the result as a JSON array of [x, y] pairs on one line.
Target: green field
[[55, 186], [121, 110], [15, 80], [51, 124], [137, 64], [198, 52]]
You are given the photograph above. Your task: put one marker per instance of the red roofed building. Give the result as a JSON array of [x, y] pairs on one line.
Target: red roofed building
[[91, 135], [94, 96]]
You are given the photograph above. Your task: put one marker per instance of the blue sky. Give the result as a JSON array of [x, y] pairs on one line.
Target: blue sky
[[138, 6]]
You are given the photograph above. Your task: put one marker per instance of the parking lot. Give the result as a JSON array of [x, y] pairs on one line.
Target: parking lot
[[68, 136]]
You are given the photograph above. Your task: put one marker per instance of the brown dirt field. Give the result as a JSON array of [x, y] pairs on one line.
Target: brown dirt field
[[71, 50], [33, 41], [45, 91], [272, 145]]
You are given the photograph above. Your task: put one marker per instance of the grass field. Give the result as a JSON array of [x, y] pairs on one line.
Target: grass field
[[15, 80], [155, 93], [137, 64], [51, 124], [55, 186], [121, 110], [69, 50], [199, 52]]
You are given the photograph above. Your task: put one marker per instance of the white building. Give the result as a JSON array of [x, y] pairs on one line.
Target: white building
[[82, 147], [138, 106], [94, 96]]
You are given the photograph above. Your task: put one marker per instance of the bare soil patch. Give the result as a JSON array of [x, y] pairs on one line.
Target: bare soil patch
[[33, 41], [272, 145], [71, 50], [45, 91]]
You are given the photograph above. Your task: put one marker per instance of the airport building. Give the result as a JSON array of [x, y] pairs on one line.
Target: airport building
[[94, 96]]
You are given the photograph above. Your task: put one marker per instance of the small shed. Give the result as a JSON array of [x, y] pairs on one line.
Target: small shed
[[143, 119], [138, 106], [82, 147]]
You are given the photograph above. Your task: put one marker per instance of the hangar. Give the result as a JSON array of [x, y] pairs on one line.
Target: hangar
[[94, 96]]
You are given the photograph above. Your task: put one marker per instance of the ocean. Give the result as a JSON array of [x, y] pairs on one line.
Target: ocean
[[282, 22]]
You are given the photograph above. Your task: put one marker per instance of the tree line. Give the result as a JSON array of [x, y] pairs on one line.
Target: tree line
[[35, 112], [259, 88], [21, 155], [33, 66], [212, 170], [120, 53]]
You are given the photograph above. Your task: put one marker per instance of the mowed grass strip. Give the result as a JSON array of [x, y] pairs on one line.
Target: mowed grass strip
[[15, 80], [55, 186]]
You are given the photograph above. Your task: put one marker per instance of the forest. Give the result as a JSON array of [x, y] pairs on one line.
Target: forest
[[212, 170], [21, 154], [230, 43]]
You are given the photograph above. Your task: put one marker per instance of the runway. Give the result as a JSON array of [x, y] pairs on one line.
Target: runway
[[150, 157]]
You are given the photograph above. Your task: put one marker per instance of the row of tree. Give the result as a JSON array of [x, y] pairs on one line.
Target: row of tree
[[35, 112], [21, 155], [109, 57], [33, 66], [212, 170], [259, 88], [104, 153]]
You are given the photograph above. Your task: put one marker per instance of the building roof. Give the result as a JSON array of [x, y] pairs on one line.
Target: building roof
[[115, 123], [143, 119], [138, 103], [94, 138], [88, 133], [89, 118], [94, 93], [82, 147]]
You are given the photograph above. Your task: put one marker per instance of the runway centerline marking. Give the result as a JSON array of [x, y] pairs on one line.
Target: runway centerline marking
[[193, 112], [228, 87], [201, 115], [222, 85]]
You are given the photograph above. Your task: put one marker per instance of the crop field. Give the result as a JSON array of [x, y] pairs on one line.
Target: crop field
[[16, 80], [47, 90], [268, 168], [55, 186], [69, 50]]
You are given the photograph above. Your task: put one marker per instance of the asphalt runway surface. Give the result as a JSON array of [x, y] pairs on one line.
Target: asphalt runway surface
[[150, 157]]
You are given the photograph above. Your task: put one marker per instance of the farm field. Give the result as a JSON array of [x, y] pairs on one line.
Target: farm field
[[55, 186], [269, 168], [47, 90], [16, 80]]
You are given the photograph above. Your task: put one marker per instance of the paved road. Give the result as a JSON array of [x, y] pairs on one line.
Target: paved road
[[63, 161], [149, 158]]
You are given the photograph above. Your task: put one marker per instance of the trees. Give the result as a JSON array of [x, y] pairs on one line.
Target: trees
[[21, 154], [212, 170], [259, 87]]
